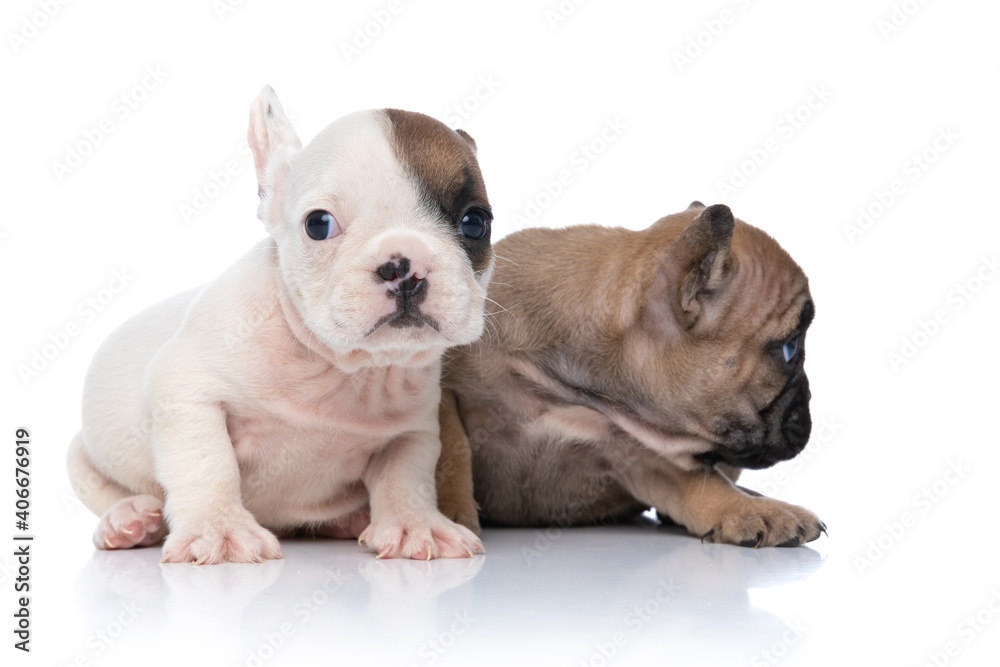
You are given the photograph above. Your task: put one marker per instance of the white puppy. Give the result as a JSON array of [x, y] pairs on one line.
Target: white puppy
[[301, 388]]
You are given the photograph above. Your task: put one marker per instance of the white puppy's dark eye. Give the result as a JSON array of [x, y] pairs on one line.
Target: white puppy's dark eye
[[321, 225], [790, 348], [475, 224]]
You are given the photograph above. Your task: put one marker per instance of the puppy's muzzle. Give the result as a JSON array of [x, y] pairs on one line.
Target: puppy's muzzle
[[781, 432], [407, 284]]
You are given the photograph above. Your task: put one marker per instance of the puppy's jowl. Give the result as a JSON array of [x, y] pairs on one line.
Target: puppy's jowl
[[636, 369], [301, 388]]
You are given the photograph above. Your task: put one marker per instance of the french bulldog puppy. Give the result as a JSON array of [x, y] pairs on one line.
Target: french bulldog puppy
[[625, 370], [301, 388]]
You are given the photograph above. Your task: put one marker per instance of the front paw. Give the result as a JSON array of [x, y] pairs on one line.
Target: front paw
[[226, 537], [420, 537], [758, 521]]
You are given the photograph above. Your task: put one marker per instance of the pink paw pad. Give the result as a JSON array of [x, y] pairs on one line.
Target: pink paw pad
[[132, 522]]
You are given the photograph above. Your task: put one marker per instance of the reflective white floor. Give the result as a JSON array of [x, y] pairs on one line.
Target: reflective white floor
[[592, 596], [636, 594]]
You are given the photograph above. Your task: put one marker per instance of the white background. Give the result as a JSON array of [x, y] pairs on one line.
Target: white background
[[887, 92]]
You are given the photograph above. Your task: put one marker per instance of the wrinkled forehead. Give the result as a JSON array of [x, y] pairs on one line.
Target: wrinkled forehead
[[777, 288], [385, 159]]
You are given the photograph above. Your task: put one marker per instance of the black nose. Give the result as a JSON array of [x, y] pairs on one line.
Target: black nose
[[399, 269], [393, 270]]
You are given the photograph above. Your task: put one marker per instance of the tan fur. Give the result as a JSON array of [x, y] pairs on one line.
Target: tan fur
[[616, 361], [453, 476]]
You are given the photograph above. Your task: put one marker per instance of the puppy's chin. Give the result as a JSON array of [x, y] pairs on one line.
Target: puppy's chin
[[357, 359], [415, 345]]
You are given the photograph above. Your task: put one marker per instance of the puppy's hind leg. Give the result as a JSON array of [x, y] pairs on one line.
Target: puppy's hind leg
[[127, 520]]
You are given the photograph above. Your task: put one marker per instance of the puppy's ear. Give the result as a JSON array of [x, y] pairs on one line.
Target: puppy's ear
[[272, 139], [468, 139], [703, 260]]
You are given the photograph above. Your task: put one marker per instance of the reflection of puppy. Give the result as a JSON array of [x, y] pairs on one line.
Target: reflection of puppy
[[304, 382], [630, 370]]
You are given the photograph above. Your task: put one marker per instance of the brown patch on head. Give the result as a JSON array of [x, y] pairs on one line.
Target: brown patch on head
[[444, 165]]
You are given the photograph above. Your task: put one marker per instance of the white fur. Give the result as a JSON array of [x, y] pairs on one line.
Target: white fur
[[263, 400]]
